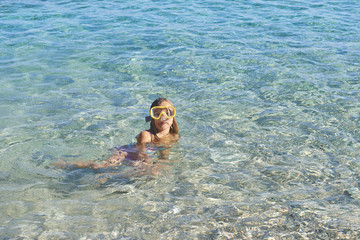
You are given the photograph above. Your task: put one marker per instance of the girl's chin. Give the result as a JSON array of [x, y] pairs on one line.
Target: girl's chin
[[163, 126]]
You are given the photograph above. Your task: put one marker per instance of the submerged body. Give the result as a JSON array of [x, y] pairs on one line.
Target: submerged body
[[163, 133]]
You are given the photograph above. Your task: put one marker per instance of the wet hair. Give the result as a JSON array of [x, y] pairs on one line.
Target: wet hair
[[174, 129]]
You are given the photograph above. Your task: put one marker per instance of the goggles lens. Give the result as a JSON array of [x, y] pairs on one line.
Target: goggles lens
[[158, 111]]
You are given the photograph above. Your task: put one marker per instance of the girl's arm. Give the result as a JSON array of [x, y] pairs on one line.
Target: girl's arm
[[143, 138]]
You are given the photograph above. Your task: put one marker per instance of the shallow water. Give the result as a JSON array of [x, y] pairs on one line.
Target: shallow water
[[267, 97]]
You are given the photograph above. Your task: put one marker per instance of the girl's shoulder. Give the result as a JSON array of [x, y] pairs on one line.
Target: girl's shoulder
[[144, 137]]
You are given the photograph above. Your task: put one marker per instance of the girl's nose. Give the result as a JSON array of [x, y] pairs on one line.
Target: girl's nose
[[163, 118]]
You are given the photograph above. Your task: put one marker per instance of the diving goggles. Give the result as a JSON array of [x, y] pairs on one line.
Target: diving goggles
[[158, 111]]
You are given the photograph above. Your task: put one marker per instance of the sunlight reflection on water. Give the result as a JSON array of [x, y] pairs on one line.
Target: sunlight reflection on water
[[267, 101]]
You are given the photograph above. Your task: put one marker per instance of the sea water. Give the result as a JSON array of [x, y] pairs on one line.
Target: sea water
[[267, 97]]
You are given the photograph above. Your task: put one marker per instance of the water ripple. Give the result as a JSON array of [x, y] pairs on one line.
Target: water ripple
[[267, 100]]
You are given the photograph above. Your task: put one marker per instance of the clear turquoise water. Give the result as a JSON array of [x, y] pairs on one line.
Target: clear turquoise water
[[267, 95]]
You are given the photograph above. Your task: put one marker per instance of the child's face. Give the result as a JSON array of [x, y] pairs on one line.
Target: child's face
[[163, 123]]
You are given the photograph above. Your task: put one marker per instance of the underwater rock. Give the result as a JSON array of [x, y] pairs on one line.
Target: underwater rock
[[58, 80]]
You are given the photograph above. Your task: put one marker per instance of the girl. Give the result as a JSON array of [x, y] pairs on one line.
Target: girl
[[163, 132], [163, 126]]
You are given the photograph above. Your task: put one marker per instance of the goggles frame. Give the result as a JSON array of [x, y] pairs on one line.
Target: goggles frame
[[162, 112]]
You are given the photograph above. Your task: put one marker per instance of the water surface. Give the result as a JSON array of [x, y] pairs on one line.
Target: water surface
[[267, 96]]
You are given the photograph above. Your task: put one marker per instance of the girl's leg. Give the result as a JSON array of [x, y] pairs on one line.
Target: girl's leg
[[114, 161]]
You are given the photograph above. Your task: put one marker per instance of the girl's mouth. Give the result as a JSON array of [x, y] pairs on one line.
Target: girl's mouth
[[164, 123]]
